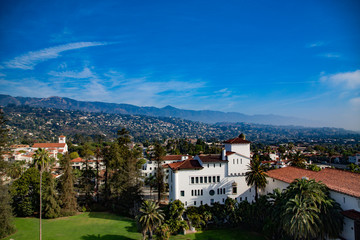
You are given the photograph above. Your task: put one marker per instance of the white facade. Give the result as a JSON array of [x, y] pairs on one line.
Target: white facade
[[355, 159], [207, 179], [149, 168]]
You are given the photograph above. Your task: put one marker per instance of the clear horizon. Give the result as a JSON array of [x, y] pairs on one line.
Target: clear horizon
[[252, 57]]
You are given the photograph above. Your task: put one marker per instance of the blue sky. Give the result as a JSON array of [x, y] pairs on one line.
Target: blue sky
[[291, 58]]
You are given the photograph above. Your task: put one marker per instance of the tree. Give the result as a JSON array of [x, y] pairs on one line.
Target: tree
[[308, 211], [151, 182], [297, 160], [50, 200], [256, 175], [174, 214], [6, 216], [67, 193], [74, 155], [150, 217], [41, 160], [159, 152]]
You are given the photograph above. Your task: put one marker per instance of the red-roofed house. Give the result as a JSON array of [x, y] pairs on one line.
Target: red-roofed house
[[211, 178], [53, 148], [344, 188]]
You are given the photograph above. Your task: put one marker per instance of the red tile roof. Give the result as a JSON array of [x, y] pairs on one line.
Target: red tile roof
[[49, 145], [211, 158], [237, 140], [336, 180], [352, 214], [229, 153], [79, 159], [62, 136], [186, 164]]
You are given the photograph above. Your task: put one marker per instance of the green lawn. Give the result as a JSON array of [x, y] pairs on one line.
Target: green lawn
[[104, 226]]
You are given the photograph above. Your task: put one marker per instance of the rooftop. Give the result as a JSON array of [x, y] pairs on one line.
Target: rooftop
[[336, 180], [186, 164]]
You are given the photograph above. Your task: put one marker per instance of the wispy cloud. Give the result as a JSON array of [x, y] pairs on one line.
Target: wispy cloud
[[349, 80], [85, 73], [315, 44], [31, 59], [330, 55]]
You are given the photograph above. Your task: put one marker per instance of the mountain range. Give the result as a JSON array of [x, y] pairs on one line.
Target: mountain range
[[206, 116]]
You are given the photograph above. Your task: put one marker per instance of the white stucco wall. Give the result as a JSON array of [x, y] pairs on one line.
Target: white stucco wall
[[242, 148], [237, 165]]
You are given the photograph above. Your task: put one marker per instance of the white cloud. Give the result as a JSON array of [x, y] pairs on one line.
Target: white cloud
[[315, 44], [330, 55], [85, 73], [349, 80], [31, 59]]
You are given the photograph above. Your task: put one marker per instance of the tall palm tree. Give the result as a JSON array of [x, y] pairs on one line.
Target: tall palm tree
[[41, 160], [256, 175], [301, 218], [150, 217]]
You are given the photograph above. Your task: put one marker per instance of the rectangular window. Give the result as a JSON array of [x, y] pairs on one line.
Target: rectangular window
[[237, 161], [214, 179], [202, 193], [220, 164], [223, 200], [241, 160], [245, 198], [234, 190], [214, 165], [185, 203], [240, 199], [182, 193], [208, 165], [209, 179], [223, 190], [198, 192], [201, 202], [212, 201], [192, 180], [192, 192], [218, 192], [197, 179], [218, 178], [201, 179], [205, 179], [194, 203], [233, 161]]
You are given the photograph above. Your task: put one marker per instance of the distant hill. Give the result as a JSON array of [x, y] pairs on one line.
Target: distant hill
[[205, 116]]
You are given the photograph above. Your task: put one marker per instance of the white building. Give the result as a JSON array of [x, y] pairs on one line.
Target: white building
[[79, 163], [355, 159], [344, 188], [149, 168], [53, 148], [206, 179]]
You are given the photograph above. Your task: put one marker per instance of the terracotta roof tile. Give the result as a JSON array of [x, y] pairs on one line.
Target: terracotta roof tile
[[79, 159], [211, 158], [186, 164], [49, 145], [237, 140], [336, 180]]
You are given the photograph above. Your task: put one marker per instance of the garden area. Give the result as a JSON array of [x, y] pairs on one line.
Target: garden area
[[105, 226]]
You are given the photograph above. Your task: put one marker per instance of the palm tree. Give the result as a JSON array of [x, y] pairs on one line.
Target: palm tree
[[297, 160], [41, 160], [150, 217], [301, 218], [256, 176]]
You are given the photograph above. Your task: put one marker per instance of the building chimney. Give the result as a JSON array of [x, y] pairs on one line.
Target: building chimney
[[223, 154], [242, 136]]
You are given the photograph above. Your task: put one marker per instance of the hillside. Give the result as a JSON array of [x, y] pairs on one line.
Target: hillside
[[28, 124], [205, 116]]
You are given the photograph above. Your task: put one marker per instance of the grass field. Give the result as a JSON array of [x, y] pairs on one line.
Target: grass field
[[104, 226]]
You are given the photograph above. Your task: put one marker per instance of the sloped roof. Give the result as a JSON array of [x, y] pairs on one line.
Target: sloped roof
[[336, 180], [49, 145], [237, 141], [211, 158], [79, 159], [186, 164]]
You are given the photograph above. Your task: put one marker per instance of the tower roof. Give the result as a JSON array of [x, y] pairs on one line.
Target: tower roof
[[238, 140]]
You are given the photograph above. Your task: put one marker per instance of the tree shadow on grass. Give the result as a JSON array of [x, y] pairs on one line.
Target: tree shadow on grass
[[105, 237]]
